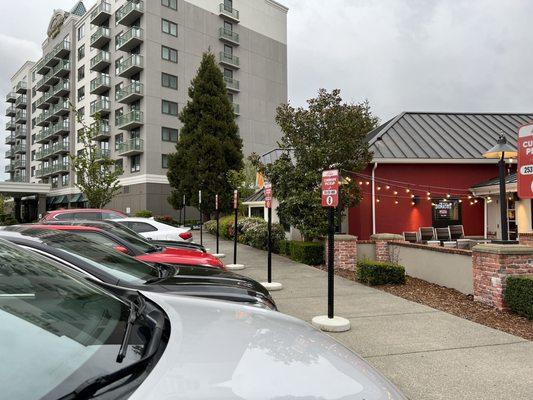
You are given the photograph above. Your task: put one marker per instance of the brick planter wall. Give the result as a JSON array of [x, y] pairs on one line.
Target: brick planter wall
[[492, 264], [345, 252], [526, 239], [382, 241]]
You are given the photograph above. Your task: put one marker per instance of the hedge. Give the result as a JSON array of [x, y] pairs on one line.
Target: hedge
[[285, 247], [378, 273], [144, 214], [519, 295], [310, 253]]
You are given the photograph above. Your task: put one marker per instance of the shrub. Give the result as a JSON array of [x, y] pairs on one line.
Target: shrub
[[285, 247], [167, 219], [225, 224], [211, 226], [519, 295], [311, 253], [378, 273], [7, 219], [144, 214], [256, 235]]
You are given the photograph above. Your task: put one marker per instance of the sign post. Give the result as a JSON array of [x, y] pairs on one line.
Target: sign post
[[184, 210], [271, 286], [235, 266], [525, 162], [201, 218], [330, 199], [217, 217]]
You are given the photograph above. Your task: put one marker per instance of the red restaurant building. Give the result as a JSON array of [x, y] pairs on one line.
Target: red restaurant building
[[424, 165]]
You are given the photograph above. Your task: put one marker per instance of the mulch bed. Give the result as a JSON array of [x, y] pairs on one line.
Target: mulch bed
[[455, 303]]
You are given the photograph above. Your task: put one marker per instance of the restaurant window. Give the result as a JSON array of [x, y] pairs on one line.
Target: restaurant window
[[446, 213]]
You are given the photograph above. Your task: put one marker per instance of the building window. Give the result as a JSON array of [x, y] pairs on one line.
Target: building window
[[169, 81], [32, 172], [169, 27], [170, 4], [228, 50], [169, 135], [169, 107], [164, 161], [33, 155], [81, 72], [119, 166], [228, 26], [81, 112], [81, 52], [135, 163], [55, 182], [33, 139], [169, 54], [65, 180], [81, 32], [81, 93], [119, 139]]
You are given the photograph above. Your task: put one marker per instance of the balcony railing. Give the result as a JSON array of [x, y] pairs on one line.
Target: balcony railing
[[101, 60], [236, 109], [101, 84], [11, 111], [43, 153], [19, 164], [21, 102], [10, 153], [50, 79], [19, 148], [21, 132], [19, 178], [101, 13], [61, 108], [60, 147], [21, 87], [102, 106], [10, 126], [229, 59], [103, 131], [62, 69], [20, 117], [62, 88], [42, 103], [131, 147], [61, 50], [102, 153], [228, 35], [232, 84], [129, 39], [11, 97], [130, 93], [130, 120], [62, 127], [130, 66], [44, 135], [101, 37], [10, 139], [229, 12], [129, 12], [9, 168]]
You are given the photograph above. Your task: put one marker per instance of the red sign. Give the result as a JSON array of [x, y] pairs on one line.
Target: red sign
[[235, 199], [330, 188], [268, 195], [525, 162], [216, 202]]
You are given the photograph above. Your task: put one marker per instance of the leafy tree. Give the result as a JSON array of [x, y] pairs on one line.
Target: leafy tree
[[329, 133], [244, 180], [209, 145], [97, 174]]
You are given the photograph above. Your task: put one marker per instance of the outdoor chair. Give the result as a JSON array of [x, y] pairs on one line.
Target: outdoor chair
[[443, 234], [411, 237], [457, 232], [426, 234]]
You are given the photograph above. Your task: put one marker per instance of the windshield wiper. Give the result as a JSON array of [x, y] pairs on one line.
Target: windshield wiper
[[91, 386], [136, 311]]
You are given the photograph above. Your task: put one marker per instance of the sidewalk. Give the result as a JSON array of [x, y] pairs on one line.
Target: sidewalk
[[427, 353]]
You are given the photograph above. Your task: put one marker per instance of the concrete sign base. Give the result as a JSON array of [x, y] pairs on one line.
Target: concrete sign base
[[272, 286], [335, 324], [235, 267]]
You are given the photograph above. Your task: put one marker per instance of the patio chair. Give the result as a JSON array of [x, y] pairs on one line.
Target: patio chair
[[443, 234], [457, 232], [411, 237], [425, 234]]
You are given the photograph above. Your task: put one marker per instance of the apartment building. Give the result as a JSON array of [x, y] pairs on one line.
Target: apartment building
[[132, 62]]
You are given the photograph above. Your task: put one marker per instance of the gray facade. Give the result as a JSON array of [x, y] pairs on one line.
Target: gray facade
[[132, 61]]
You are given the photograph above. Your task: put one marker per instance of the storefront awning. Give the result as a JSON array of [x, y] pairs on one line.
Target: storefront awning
[[60, 200]]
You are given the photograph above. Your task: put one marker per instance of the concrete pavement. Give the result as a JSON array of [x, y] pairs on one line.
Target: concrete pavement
[[427, 353]]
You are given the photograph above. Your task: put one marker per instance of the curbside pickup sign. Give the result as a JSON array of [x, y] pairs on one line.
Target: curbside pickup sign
[[330, 188], [525, 162]]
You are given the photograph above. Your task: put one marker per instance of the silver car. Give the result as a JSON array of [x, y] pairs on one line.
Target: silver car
[[65, 337]]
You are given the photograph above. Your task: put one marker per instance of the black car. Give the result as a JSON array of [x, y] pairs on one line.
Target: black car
[[106, 265]]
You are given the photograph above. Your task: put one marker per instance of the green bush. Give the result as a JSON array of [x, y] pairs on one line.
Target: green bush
[[211, 226], [519, 295], [256, 235], [310, 253], [285, 247], [144, 214], [7, 219], [226, 226], [378, 273]]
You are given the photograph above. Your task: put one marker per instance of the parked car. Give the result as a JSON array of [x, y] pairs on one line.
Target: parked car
[[155, 230], [66, 338], [114, 268], [139, 249], [82, 213]]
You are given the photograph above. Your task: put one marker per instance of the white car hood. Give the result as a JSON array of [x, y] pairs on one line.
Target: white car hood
[[220, 350]]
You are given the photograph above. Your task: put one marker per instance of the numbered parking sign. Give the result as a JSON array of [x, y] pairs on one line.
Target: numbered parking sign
[[330, 188], [525, 162], [268, 195]]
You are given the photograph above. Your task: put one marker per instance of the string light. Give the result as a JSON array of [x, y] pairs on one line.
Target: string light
[[396, 201], [407, 190], [361, 183], [395, 192], [429, 198], [379, 187], [387, 187], [412, 203], [412, 196], [448, 196], [429, 194], [367, 183], [378, 200]]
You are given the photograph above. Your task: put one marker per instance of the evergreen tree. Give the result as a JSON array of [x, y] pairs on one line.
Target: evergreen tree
[[209, 146]]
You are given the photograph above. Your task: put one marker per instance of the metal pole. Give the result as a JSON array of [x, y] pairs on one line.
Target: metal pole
[[269, 245], [201, 218], [331, 254], [218, 217], [235, 237], [184, 210], [503, 199]]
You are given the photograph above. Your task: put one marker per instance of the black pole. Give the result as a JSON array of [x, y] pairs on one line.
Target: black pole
[[184, 210], [269, 245], [331, 254], [235, 236], [218, 217], [503, 199], [201, 227]]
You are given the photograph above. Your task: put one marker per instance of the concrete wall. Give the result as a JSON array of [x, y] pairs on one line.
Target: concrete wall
[[366, 251]]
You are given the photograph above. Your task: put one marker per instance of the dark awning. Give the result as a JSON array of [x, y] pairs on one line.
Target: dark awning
[[60, 200], [76, 198]]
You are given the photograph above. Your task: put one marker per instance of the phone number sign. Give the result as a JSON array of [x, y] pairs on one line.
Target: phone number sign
[[525, 162], [330, 188]]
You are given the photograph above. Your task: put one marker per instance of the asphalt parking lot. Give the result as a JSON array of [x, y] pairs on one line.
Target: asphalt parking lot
[[427, 353]]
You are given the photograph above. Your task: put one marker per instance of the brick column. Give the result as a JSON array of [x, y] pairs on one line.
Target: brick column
[[382, 245], [492, 264], [526, 238], [345, 252]]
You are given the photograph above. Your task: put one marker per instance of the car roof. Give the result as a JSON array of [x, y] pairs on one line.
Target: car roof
[[136, 219], [60, 227]]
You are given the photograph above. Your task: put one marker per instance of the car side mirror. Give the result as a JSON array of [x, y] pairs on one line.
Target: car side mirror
[[121, 249]]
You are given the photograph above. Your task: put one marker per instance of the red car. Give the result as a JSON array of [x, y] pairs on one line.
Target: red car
[[82, 213], [140, 249]]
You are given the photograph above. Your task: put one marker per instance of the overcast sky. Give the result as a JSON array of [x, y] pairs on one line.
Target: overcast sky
[[417, 55]]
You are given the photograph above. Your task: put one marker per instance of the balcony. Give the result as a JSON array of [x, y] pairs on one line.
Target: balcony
[[20, 148], [50, 98], [44, 136], [130, 120], [41, 119], [10, 154], [21, 132], [21, 102], [229, 60], [41, 85], [61, 50], [100, 38], [22, 87], [41, 67], [132, 92], [60, 148], [42, 103], [228, 12], [62, 108], [60, 168], [19, 178], [20, 117], [11, 111], [11, 97], [50, 79], [129, 12], [101, 13], [50, 116], [10, 139], [10, 126], [101, 61], [236, 109], [102, 131], [62, 88], [102, 153], [232, 84], [228, 35], [130, 39], [19, 164], [102, 107], [41, 172], [9, 168], [62, 69], [130, 66], [61, 128], [131, 147], [101, 84], [43, 154]]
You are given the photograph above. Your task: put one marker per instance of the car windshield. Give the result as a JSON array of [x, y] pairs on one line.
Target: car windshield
[[56, 329], [134, 239]]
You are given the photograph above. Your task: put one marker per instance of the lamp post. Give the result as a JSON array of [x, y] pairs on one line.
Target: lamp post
[[501, 150]]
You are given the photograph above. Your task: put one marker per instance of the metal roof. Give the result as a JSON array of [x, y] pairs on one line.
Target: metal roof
[[509, 179], [257, 196], [445, 136]]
